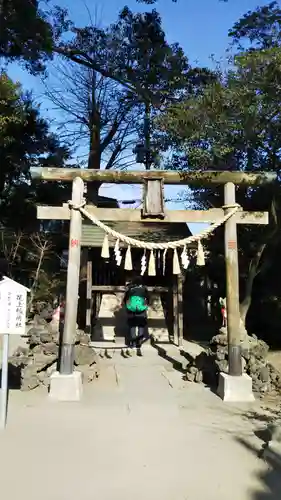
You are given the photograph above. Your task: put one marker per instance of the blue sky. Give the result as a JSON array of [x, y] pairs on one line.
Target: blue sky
[[199, 26]]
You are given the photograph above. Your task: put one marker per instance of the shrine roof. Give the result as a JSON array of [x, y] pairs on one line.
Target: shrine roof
[[92, 236]]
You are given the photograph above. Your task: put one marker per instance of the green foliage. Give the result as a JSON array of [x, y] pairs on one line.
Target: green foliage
[[10, 108], [260, 28], [26, 35], [25, 141], [234, 123], [48, 287], [134, 52]]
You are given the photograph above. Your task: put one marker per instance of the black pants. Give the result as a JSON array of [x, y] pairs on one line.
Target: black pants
[[137, 330]]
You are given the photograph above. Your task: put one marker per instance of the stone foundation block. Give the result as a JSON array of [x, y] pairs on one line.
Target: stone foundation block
[[235, 389], [66, 387]]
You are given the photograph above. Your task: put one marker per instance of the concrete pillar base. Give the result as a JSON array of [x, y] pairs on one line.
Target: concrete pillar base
[[235, 389], [66, 387]]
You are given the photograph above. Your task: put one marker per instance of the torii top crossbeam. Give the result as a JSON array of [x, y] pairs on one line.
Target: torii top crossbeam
[[194, 178]]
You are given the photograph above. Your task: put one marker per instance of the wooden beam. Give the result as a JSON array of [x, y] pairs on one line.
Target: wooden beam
[[175, 315], [98, 297], [89, 299], [180, 309], [232, 287], [134, 215], [121, 289], [72, 285], [187, 177]]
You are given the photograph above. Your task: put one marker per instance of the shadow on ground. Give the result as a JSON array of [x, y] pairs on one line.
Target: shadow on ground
[[264, 421], [163, 353], [269, 479]]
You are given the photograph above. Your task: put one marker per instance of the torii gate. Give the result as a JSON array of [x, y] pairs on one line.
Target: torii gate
[[235, 386]]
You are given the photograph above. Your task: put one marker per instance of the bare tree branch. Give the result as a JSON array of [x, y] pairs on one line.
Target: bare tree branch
[[96, 114]]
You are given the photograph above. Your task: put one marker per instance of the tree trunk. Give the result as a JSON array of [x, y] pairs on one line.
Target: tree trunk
[[36, 279], [253, 272], [95, 127], [94, 153], [245, 304]]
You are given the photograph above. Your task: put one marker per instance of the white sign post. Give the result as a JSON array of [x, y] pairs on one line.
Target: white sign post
[[12, 322]]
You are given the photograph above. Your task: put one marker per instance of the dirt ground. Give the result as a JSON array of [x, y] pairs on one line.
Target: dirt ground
[[140, 432]]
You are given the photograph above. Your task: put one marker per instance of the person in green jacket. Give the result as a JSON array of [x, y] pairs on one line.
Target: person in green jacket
[[136, 302]]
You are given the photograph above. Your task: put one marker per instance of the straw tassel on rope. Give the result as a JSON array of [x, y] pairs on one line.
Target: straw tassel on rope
[[184, 258], [176, 263], [158, 259], [128, 260], [200, 255], [105, 248], [164, 261], [118, 256], [143, 263], [151, 264]]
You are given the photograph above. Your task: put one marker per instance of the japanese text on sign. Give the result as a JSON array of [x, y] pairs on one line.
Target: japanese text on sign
[[12, 308], [20, 313], [9, 304]]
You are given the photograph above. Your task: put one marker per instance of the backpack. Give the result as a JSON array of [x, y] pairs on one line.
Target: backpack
[[136, 304]]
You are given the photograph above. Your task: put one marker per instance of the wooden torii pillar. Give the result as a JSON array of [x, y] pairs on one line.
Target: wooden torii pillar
[[206, 178], [178, 316]]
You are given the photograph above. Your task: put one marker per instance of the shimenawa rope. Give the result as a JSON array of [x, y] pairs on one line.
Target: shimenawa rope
[[151, 245]]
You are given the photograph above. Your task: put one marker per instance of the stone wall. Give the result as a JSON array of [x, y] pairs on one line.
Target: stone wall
[[31, 366], [207, 366]]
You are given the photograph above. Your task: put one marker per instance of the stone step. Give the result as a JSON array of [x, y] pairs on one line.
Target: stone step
[[179, 357], [114, 349], [173, 354], [155, 352], [115, 346]]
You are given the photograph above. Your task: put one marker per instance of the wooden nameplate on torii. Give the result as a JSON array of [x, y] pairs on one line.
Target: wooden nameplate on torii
[[153, 199]]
